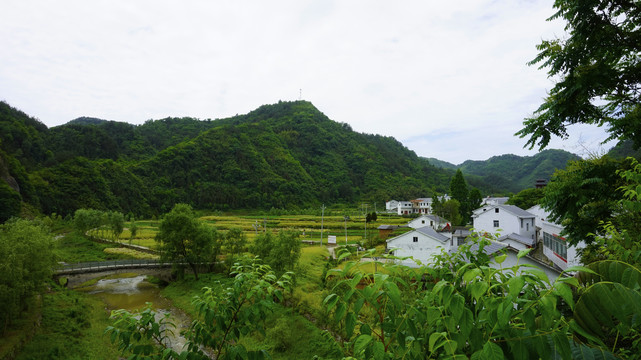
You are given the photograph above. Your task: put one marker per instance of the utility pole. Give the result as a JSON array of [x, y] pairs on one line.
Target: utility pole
[[365, 222], [322, 217], [345, 218]]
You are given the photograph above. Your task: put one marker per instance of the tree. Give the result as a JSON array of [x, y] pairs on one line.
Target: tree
[[451, 210], [184, 239], [26, 260], [585, 194], [459, 192], [475, 199], [526, 198], [116, 223], [133, 229], [224, 316], [10, 200], [597, 67], [235, 243]]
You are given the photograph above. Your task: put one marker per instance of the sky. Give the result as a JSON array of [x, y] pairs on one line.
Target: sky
[[448, 79]]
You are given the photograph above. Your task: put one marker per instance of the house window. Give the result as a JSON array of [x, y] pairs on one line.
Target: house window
[[415, 239], [496, 210], [527, 226], [496, 223], [555, 244], [422, 221]]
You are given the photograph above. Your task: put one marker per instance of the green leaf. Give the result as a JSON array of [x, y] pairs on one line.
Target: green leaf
[[471, 274], [439, 337], [477, 289], [492, 351], [515, 285], [604, 304], [564, 291], [500, 259], [330, 301], [350, 323], [523, 252], [361, 342]]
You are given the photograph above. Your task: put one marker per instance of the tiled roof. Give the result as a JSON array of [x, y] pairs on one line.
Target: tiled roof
[[427, 230], [516, 237]]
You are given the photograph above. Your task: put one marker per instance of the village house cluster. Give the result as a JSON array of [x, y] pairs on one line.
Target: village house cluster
[[512, 229]]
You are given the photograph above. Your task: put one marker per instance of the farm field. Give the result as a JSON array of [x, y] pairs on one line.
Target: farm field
[[309, 227]]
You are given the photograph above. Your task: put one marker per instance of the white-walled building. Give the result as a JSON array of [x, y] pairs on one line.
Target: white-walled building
[[391, 206], [421, 244], [505, 219], [494, 200], [497, 248], [555, 247], [434, 221]]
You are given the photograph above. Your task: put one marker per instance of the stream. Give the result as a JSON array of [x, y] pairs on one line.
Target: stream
[[131, 292]]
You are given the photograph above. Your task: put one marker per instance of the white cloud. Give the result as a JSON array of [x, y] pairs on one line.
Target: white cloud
[[414, 70]]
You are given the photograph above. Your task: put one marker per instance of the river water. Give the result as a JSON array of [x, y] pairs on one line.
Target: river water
[[131, 292]]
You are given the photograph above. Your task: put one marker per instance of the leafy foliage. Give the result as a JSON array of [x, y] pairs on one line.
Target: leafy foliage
[[527, 198], [26, 262], [469, 306], [597, 68], [184, 239], [583, 195], [225, 315]]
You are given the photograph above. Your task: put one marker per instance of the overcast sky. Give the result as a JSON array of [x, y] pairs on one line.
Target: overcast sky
[[448, 79]]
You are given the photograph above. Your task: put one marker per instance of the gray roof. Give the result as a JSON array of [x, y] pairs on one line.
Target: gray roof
[[436, 218], [516, 211], [427, 230], [388, 227], [516, 237], [489, 249]]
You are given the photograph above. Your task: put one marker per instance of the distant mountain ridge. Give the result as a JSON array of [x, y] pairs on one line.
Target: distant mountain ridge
[[511, 172], [285, 155]]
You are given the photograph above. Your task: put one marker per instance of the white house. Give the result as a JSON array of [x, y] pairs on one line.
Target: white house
[[434, 221], [391, 206], [422, 244], [517, 241], [405, 208], [555, 247], [497, 248], [415, 206], [494, 200], [506, 218]]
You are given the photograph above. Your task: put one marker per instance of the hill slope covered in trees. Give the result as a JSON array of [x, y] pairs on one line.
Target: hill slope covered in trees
[[285, 155], [509, 172]]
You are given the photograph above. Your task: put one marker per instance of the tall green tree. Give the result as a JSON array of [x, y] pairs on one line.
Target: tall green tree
[[460, 193], [235, 242], [585, 194], [526, 198], [475, 199], [26, 260], [596, 68], [184, 239]]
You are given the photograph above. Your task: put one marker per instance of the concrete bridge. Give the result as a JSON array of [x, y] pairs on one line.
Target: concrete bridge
[[110, 265]]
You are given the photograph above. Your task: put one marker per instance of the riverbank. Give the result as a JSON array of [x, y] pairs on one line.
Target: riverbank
[[72, 327]]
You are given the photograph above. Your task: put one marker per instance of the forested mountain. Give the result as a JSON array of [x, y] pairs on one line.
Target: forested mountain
[[284, 155], [623, 149], [509, 172]]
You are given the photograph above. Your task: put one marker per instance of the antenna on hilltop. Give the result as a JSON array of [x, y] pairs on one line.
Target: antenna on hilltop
[[300, 94]]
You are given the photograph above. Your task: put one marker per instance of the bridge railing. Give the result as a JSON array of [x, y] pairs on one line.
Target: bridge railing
[[110, 264]]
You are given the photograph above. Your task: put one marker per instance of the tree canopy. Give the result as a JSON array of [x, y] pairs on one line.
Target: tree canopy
[[598, 67], [184, 239]]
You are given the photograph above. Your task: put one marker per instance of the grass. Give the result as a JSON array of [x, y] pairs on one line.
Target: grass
[[72, 328], [73, 248]]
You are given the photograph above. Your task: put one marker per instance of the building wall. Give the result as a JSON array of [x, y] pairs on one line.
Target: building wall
[[508, 223], [422, 250]]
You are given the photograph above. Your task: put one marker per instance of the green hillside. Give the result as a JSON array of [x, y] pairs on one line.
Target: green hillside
[[509, 172], [285, 155]]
